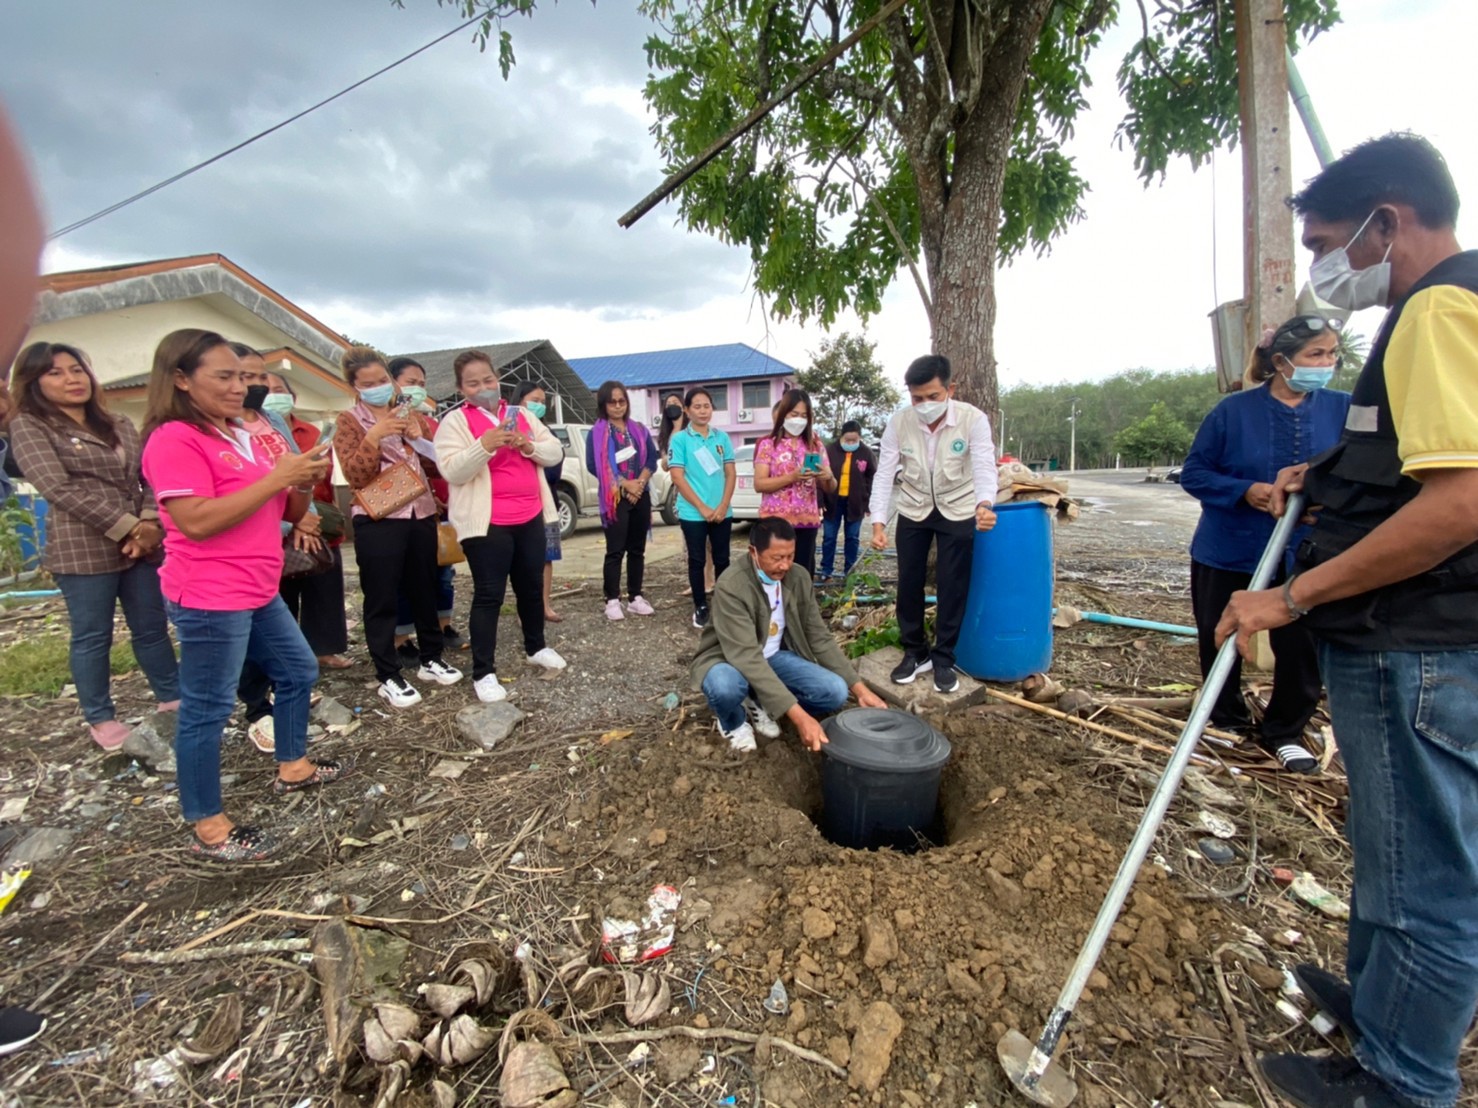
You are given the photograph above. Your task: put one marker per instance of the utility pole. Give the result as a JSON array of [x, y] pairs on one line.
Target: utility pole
[[1262, 88], [1072, 459]]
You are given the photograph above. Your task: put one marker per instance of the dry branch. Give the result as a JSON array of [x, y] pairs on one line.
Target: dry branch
[[179, 957], [686, 1032]]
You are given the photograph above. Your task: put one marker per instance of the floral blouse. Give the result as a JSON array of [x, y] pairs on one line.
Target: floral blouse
[[796, 503]]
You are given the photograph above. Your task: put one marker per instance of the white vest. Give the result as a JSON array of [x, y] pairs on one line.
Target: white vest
[[950, 487]]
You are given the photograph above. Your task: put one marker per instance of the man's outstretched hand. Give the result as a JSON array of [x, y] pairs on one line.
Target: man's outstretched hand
[[812, 735], [866, 698]]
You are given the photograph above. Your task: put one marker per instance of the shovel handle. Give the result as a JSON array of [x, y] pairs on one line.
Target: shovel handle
[[1154, 813]]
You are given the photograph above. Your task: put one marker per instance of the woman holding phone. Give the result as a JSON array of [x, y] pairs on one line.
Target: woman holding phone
[[222, 503], [396, 554], [789, 465], [621, 455]]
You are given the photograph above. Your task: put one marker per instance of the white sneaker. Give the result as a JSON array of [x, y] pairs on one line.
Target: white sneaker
[[764, 723], [548, 658], [263, 735], [399, 692], [613, 610], [640, 607], [489, 689], [438, 671], [741, 739]]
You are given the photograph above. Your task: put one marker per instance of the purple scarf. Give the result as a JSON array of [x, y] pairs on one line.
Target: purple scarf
[[605, 455]]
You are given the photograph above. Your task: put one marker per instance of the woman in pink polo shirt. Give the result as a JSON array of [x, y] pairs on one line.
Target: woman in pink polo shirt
[[222, 504], [492, 455]]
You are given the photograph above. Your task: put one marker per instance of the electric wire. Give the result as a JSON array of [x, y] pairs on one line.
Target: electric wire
[[120, 205]]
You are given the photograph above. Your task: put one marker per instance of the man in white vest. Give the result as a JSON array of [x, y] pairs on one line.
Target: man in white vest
[[939, 456]]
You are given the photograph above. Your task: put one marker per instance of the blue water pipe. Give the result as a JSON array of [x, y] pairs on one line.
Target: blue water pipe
[[1130, 621], [30, 594]]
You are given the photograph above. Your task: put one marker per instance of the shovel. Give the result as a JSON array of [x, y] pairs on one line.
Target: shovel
[[1029, 1065]]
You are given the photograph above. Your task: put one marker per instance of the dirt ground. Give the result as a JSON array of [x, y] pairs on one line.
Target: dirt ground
[[613, 785]]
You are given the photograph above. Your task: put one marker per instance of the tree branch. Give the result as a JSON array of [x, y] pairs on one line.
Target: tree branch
[[898, 240]]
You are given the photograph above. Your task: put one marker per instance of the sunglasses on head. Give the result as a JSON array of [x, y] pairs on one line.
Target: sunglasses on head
[[1312, 325]]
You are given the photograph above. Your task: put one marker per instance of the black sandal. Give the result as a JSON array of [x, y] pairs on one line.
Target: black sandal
[[324, 773], [1292, 757], [243, 844]]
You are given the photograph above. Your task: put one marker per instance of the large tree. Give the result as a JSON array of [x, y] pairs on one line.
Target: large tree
[[932, 146]]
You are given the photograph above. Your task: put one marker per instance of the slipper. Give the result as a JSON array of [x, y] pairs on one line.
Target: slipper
[[335, 661], [324, 773], [243, 844]]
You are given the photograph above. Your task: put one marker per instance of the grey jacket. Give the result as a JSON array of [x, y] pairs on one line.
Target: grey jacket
[[739, 626]]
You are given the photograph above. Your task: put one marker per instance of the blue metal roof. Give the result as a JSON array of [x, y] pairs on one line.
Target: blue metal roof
[[693, 364]]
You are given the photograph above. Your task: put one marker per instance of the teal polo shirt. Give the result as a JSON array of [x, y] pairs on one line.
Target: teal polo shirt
[[703, 462]]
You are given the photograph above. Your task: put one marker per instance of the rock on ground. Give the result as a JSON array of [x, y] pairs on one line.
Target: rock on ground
[[488, 724], [152, 741], [872, 1046], [874, 669]]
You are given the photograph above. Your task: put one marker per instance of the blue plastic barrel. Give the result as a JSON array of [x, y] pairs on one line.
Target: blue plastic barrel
[[32, 539], [1007, 633]]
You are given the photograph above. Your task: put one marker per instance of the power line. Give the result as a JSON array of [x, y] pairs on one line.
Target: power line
[[111, 208]]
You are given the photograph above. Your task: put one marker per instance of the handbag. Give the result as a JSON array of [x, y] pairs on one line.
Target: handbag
[[330, 520], [393, 489], [305, 563], [448, 549]]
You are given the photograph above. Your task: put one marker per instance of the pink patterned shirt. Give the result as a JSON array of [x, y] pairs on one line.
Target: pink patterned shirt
[[796, 503]]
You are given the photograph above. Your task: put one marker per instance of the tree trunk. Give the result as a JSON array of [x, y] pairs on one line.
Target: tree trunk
[[960, 243]]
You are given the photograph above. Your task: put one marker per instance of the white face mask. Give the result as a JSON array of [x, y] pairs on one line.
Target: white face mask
[[930, 410], [1350, 289], [794, 426]]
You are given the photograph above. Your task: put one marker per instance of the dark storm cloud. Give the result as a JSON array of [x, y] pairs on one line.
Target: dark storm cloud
[[437, 179]]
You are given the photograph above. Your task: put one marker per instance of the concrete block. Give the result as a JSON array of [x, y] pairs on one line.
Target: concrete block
[[920, 696]]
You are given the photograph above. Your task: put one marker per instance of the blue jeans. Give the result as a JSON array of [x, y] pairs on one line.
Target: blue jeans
[[829, 528], [1407, 725], [819, 690], [91, 599], [213, 648]]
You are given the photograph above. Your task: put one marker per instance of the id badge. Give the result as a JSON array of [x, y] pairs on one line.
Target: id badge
[[706, 461], [625, 454]]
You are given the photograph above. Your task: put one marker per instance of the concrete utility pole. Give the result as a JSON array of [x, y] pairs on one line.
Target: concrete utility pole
[[1262, 87], [1072, 457]]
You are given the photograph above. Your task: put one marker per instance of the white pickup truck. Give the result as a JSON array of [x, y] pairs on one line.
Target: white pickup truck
[[578, 490]]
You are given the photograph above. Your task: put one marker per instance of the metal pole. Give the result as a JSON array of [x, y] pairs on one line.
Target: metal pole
[[1149, 823], [1072, 461], [1304, 105]]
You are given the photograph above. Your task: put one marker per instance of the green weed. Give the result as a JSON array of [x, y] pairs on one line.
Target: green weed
[[39, 666]]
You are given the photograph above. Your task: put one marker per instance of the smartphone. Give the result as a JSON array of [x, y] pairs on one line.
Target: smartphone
[[403, 408], [326, 435], [813, 463]]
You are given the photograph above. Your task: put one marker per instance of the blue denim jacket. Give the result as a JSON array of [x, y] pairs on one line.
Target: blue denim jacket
[[1245, 439]]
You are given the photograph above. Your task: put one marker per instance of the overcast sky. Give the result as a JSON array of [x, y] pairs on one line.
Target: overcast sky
[[440, 206]]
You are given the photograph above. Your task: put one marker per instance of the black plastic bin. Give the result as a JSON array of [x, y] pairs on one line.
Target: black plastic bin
[[880, 778]]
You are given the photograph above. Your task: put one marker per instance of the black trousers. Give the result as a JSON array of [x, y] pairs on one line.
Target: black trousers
[[506, 552], [955, 541], [397, 556], [700, 536], [805, 548], [317, 603], [1296, 681], [626, 536]]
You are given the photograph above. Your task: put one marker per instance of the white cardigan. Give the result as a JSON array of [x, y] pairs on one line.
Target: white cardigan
[[464, 464]]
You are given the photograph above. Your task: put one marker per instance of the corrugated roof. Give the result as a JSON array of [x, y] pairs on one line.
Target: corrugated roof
[[539, 355], [690, 364]]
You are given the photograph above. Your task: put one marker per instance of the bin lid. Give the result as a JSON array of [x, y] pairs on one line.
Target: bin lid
[[884, 739]]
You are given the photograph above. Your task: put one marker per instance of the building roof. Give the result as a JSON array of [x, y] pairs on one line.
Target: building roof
[[530, 360], [81, 292], [274, 360], [693, 364]]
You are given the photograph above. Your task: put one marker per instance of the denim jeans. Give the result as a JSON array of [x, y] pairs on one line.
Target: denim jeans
[[819, 690], [1407, 725], [853, 544], [213, 648], [91, 599]]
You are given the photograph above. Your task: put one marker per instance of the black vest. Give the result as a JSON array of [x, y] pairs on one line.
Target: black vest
[[1360, 485]]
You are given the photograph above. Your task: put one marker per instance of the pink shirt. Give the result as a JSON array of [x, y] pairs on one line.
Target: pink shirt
[[796, 503], [240, 568], [517, 497]]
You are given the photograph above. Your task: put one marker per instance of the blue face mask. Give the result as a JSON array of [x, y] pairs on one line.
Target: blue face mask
[[536, 409], [765, 578], [1310, 378], [377, 396], [851, 447]]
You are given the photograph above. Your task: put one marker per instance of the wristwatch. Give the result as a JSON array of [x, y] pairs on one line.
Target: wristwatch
[[1293, 609]]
